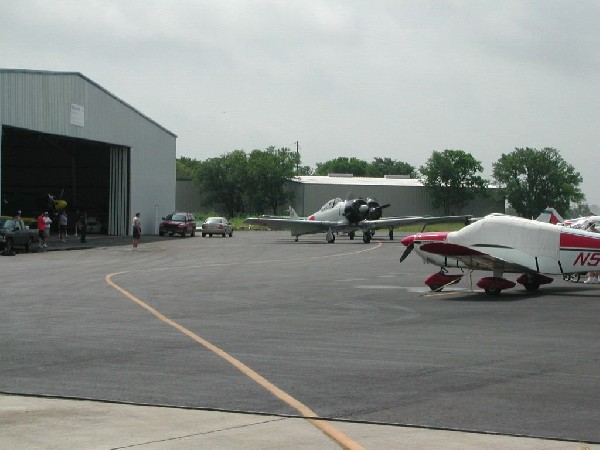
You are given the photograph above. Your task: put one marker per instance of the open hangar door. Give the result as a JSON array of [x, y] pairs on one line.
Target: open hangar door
[[90, 176]]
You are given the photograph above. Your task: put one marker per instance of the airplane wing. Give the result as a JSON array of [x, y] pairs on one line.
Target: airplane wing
[[297, 226], [474, 259], [391, 222]]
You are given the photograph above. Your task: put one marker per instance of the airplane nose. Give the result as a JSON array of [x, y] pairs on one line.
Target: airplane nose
[[408, 240]]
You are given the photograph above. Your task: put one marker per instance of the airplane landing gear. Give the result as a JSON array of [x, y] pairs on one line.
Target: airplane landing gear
[[367, 236], [330, 237], [494, 285]]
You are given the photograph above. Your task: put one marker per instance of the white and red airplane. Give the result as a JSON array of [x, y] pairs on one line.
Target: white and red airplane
[[345, 216], [507, 244]]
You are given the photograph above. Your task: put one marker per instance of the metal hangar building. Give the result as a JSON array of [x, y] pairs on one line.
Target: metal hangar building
[[407, 196], [63, 134]]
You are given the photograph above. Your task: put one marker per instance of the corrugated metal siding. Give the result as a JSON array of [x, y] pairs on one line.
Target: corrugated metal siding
[[188, 197], [405, 200], [41, 101]]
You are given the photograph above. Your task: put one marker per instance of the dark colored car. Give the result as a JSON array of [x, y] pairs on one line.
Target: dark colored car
[[182, 223]]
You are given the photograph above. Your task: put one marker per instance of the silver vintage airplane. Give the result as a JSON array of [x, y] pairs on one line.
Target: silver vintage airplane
[[346, 216]]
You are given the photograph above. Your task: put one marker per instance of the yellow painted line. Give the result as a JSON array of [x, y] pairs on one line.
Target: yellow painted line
[[338, 436]]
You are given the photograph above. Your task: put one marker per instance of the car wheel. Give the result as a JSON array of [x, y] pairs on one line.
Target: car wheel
[[193, 233], [28, 245], [184, 233], [203, 234], [170, 234], [161, 233], [209, 235], [8, 246], [231, 234], [223, 235]]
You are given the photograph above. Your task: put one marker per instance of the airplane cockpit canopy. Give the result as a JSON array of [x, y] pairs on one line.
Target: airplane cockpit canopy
[[330, 204]]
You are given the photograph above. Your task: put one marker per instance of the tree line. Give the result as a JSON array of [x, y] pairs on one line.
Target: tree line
[[528, 178]]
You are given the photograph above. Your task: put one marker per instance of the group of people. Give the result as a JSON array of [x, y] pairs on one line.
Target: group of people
[[44, 222]]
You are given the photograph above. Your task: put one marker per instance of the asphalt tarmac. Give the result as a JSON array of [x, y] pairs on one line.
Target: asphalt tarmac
[[247, 336]]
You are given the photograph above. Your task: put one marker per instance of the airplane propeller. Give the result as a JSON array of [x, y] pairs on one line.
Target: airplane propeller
[[409, 248], [375, 209]]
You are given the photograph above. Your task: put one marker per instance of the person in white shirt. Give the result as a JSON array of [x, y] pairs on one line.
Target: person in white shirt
[[48, 222], [137, 230]]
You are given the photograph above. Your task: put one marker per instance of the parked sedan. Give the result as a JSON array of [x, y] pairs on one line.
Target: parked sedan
[[216, 225]]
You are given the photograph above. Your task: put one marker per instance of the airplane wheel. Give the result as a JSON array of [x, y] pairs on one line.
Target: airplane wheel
[[351, 235], [575, 277], [435, 287], [391, 235], [331, 238], [566, 277], [531, 286], [493, 291], [366, 237]]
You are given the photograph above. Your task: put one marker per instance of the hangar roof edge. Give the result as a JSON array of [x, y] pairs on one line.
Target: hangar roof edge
[[354, 181], [89, 80]]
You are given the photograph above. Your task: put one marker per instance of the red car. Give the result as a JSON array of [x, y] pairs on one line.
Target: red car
[[182, 223]]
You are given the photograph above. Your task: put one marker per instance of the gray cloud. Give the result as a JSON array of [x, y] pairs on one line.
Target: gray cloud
[[353, 78]]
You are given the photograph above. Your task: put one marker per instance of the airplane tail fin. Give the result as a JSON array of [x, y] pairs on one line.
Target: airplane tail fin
[[550, 215]]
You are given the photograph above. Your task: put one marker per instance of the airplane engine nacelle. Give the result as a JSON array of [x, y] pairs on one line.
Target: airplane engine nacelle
[[356, 210]]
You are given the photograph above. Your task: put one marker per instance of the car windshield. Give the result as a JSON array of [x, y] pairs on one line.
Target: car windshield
[[9, 224], [176, 217], [214, 220]]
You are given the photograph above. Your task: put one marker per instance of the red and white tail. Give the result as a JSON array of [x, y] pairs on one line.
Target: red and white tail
[[550, 215]]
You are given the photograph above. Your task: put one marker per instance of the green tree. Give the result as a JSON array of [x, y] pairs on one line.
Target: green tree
[[450, 177], [355, 166], [185, 168], [268, 171], [224, 181], [381, 167], [304, 170], [534, 179]]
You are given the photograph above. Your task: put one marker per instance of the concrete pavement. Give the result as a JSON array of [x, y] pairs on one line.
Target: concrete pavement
[[44, 422], [51, 423]]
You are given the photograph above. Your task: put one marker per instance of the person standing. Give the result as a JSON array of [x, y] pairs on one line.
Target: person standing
[[83, 226], [62, 226], [48, 222], [41, 225], [137, 229]]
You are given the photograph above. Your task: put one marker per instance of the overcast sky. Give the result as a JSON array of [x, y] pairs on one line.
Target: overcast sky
[[362, 79]]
